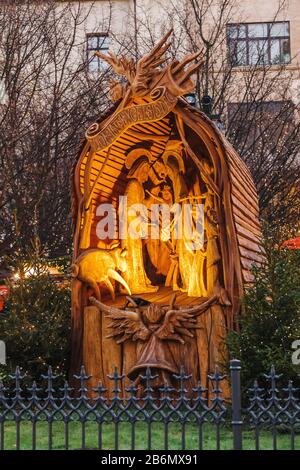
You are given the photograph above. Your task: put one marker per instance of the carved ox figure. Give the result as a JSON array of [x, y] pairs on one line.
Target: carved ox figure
[[98, 266]]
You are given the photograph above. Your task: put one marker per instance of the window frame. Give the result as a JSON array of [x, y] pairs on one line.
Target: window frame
[[101, 37], [250, 39]]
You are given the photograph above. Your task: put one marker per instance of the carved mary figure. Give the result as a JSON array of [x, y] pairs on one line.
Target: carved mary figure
[[138, 164]]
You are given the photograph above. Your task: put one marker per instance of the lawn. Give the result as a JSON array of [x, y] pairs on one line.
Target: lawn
[[107, 437]]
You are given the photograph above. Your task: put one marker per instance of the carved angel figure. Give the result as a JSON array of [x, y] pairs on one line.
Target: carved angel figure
[[153, 327]]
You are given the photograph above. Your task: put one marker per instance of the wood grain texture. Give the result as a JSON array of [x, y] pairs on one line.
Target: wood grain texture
[[92, 351], [112, 355]]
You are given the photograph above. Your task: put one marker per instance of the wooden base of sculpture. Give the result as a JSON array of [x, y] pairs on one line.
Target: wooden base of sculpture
[[92, 351], [199, 355]]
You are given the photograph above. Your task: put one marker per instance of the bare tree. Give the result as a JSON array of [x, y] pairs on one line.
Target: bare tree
[[254, 102], [262, 121], [50, 100]]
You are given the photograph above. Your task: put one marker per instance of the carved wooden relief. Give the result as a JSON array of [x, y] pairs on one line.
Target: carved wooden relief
[[155, 154]]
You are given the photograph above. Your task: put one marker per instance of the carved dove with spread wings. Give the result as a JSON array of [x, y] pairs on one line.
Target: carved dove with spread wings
[[139, 323], [153, 327]]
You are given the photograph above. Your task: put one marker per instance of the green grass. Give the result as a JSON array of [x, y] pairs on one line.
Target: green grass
[[141, 437]]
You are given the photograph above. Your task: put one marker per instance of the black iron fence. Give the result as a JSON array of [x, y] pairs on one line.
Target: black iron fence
[[50, 417]]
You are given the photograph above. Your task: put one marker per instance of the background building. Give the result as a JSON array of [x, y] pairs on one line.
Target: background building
[[256, 33]]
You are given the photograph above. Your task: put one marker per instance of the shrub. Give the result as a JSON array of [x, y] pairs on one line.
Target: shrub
[[271, 319], [36, 329]]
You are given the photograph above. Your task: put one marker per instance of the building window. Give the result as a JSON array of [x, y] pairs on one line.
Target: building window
[[97, 42], [259, 43]]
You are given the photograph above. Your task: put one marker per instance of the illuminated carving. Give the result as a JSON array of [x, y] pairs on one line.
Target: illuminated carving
[[160, 155], [138, 163], [96, 266]]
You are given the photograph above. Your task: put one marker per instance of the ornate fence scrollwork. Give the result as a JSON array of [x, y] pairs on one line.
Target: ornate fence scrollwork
[[192, 410]]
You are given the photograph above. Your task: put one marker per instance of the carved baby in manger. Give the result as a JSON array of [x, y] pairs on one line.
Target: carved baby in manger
[[153, 327]]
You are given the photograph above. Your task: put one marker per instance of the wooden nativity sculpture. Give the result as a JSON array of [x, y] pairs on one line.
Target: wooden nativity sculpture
[[153, 150]]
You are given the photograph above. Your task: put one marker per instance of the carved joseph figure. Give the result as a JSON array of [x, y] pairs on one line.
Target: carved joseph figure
[[138, 163]]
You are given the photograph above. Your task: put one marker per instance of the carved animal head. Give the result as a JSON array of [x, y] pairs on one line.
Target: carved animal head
[[119, 255], [113, 257], [152, 71]]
